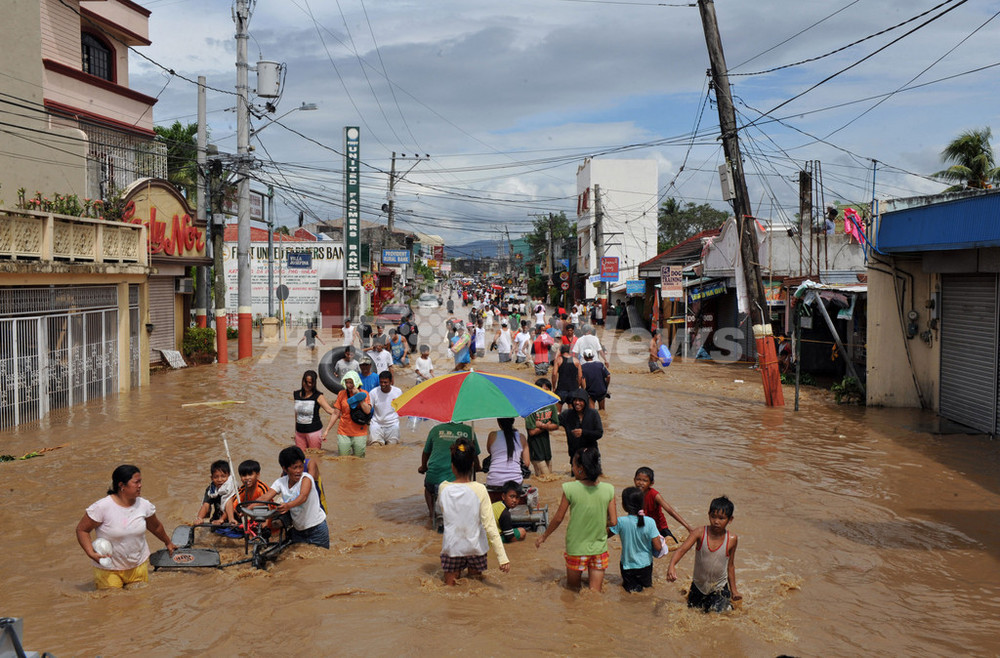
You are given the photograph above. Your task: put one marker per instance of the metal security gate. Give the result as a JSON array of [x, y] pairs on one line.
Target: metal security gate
[[969, 351], [55, 360], [161, 315]]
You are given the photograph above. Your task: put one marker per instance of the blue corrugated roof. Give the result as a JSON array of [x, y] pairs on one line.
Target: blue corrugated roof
[[955, 224]]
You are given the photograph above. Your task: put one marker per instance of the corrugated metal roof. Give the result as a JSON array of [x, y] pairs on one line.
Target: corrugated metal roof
[[957, 224]]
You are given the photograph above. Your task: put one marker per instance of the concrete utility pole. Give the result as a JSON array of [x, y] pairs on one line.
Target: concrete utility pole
[[745, 221], [201, 294], [391, 205], [270, 251], [244, 308], [218, 249]]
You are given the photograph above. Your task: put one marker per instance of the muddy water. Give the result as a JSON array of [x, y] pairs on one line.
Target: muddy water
[[860, 531]]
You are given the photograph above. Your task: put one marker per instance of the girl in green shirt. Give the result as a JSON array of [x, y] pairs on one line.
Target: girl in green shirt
[[592, 510]]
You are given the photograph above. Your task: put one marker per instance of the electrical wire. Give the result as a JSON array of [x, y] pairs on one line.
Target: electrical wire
[[848, 46], [865, 58]]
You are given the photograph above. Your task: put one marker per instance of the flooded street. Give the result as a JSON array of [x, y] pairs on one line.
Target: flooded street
[[861, 532]]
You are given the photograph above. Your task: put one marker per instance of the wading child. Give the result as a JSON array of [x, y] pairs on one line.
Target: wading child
[[422, 366], [640, 542], [217, 494], [713, 584], [538, 426], [252, 489], [468, 519], [511, 494], [654, 504], [591, 507], [296, 488]]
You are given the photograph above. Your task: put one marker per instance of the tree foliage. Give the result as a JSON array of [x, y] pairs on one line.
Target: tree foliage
[[538, 239], [676, 223], [182, 156], [973, 164]]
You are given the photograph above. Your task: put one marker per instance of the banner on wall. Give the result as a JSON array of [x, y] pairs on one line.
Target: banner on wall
[[326, 262]]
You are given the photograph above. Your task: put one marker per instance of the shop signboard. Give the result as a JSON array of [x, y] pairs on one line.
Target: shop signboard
[[609, 269], [635, 287], [671, 282], [395, 256], [707, 290], [352, 204]]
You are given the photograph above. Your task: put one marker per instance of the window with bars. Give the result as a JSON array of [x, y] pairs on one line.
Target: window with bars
[[97, 57]]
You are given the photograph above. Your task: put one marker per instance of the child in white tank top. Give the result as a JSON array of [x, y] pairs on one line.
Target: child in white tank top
[[713, 584]]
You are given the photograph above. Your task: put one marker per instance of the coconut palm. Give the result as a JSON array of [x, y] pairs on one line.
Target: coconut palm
[[973, 164]]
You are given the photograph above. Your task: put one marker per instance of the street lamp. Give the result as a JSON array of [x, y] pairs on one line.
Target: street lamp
[[305, 107]]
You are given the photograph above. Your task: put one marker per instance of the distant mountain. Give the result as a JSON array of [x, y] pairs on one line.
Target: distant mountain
[[477, 249]]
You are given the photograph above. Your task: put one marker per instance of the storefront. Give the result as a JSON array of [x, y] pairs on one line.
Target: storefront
[[176, 242]]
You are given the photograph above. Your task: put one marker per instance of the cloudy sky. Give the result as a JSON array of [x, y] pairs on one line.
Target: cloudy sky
[[508, 98]]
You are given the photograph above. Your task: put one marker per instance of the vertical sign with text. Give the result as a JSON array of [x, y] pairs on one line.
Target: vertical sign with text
[[352, 205], [671, 282]]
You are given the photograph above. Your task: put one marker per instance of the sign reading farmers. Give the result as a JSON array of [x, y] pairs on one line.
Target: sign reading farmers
[[352, 204]]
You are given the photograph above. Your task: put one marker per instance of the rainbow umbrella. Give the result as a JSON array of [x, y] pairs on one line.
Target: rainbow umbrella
[[464, 396]]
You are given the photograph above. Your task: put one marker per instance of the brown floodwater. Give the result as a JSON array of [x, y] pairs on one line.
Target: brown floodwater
[[862, 531]]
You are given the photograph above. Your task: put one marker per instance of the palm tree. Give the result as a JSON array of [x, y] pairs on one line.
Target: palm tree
[[974, 166]]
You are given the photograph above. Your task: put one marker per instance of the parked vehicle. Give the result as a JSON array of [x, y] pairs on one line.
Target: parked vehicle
[[428, 300], [393, 314]]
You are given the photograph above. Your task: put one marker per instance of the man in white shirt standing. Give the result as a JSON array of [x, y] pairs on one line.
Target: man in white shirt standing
[[348, 332], [381, 357], [384, 428], [588, 341], [522, 343]]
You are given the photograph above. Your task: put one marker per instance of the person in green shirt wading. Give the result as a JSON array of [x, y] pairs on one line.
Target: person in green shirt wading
[[592, 509]]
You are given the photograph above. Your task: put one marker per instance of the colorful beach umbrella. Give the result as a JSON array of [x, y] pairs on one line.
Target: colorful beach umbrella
[[464, 396]]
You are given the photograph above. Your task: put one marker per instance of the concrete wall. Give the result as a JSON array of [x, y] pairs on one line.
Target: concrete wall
[[629, 190], [779, 253], [892, 381]]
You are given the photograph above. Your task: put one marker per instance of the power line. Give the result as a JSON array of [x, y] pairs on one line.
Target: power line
[[850, 45], [863, 59]]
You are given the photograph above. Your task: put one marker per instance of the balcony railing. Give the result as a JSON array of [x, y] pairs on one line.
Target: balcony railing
[[30, 235]]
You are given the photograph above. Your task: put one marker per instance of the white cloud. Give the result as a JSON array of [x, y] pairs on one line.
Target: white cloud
[[492, 84]]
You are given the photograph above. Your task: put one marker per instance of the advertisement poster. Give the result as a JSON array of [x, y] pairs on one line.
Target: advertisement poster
[[303, 283]]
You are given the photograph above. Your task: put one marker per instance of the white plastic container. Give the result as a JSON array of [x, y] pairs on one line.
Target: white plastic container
[[532, 495]]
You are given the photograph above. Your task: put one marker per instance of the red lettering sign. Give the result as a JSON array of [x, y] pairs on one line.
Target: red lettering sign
[[184, 235]]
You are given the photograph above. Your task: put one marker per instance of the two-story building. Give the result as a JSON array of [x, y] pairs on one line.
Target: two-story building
[[74, 291]]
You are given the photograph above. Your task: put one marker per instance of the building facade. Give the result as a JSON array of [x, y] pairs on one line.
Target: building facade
[[934, 288], [74, 291], [626, 194]]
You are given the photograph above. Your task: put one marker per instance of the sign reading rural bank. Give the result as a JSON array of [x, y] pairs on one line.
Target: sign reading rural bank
[[173, 232]]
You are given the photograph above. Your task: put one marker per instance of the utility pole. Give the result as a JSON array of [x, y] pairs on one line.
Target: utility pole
[[218, 253], [201, 294], [244, 308], [270, 251], [805, 215], [391, 205], [599, 241], [392, 198], [745, 221]]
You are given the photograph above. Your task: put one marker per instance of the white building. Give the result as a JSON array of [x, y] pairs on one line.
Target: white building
[[627, 228]]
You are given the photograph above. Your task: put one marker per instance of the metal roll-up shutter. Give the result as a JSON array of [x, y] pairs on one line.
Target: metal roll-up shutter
[[161, 314], [969, 350]]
